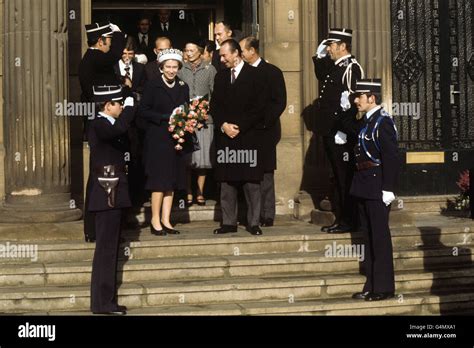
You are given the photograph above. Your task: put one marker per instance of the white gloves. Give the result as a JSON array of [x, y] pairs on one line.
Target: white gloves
[[340, 138], [114, 28], [128, 102], [388, 197], [322, 52], [345, 103]]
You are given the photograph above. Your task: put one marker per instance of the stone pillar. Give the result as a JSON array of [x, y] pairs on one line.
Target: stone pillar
[[2, 148], [37, 168], [280, 23]]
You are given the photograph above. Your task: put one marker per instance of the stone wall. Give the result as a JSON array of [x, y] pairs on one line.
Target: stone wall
[[2, 149]]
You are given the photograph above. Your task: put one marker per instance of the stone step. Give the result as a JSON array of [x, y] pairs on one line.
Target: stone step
[[425, 204], [197, 240], [294, 290], [198, 268]]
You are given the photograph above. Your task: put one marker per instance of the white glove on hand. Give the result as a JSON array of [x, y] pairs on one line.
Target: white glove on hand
[[341, 138], [388, 197], [114, 28], [128, 102], [345, 103], [322, 52]]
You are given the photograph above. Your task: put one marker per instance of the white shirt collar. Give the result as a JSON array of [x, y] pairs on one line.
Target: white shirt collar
[[122, 68], [373, 111], [342, 58], [257, 62], [238, 69], [109, 118]]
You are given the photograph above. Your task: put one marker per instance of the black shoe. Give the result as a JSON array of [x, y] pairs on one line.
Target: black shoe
[[374, 296], [327, 228], [89, 239], [154, 232], [170, 230], [267, 223], [360, 295], [119, 310], [340, 229], [226, 229], [255, 230]]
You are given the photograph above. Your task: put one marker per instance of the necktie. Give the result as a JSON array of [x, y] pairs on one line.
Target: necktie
[[127, 72], [165, 27], [232, 80], [143, 43]]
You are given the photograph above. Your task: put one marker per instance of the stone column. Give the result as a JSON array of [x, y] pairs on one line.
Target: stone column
[[37, 168], [280, 23], [2, 148]]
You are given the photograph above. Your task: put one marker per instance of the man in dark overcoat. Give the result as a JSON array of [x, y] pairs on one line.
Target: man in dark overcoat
[[238, 108]]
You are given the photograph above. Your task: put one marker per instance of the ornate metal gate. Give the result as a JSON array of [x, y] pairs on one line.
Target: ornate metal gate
[[433, 63]]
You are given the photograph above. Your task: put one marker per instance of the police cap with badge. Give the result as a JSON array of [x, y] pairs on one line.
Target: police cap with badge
[[104, 94], [95, 31]]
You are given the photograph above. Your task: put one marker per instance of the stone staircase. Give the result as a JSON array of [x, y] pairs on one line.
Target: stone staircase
[[284, 272]]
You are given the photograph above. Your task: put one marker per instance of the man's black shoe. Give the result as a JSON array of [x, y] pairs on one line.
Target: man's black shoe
[[226, 229], [327, 228], [255, 230], [119, 310], [340, 229], [267, 223], [374, 296], [360, 295]]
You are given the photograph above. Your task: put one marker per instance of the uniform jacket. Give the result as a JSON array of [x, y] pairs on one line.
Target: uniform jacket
[[97, 68], [242, 104], [370, 183], [274, 107], [108, 145], [329, 115]]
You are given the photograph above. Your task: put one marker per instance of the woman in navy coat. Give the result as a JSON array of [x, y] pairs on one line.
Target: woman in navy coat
[[165, 167]]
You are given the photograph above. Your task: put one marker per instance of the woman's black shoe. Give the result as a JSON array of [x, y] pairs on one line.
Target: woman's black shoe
[[170, 230], [156, 232]]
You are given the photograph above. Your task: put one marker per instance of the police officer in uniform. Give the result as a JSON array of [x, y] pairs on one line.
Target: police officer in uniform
[[108, 191], [377, 164], [106, 43], [335, 121]]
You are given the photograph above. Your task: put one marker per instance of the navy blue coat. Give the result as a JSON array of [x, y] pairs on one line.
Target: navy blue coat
[[370, 183], [165, 167], [108, 146]]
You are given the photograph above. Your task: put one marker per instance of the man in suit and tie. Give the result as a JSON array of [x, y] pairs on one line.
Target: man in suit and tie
[[145, 38], [222, 32], [172, 29], [238, 108], [152, 69], [373, 184], [274, 107], [131, 73]]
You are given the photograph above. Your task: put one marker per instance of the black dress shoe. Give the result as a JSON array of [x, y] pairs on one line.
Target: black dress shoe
[[170, 230], [156, 232], [360, 295], [89, 239], [255, 230], [119, 310], [327, 228], [340, 229], [267, 223], [374, 296], [226, 229]]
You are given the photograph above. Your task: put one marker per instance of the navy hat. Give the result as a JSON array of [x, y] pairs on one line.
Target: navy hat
[[103, 94], [369, 86], [96, 30], [339, 35]]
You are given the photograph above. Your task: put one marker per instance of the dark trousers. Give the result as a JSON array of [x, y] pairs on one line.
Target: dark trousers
[[378, 249], [343, 166], [89, 217], [268, 197], [104, 266], [229, 202]]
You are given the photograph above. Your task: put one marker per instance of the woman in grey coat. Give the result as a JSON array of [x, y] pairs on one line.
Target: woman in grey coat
[[199, 75]]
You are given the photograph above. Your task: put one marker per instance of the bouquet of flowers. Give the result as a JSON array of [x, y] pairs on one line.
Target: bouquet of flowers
[[186, 119]]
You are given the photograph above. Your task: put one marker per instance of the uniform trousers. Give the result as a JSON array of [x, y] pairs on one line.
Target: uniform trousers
[[104, 266], [378, 263], [229, 202]]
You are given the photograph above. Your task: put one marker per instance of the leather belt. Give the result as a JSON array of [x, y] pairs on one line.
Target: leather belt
[[366, 165], [99, 171]]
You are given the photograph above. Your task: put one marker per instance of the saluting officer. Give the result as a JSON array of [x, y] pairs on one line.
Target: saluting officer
[[373, 185], [338, 71], [108, 191], [106, 43]]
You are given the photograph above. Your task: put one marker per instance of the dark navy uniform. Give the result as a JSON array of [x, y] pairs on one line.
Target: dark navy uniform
[[377, 164], [336, 78], [108, 143]]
